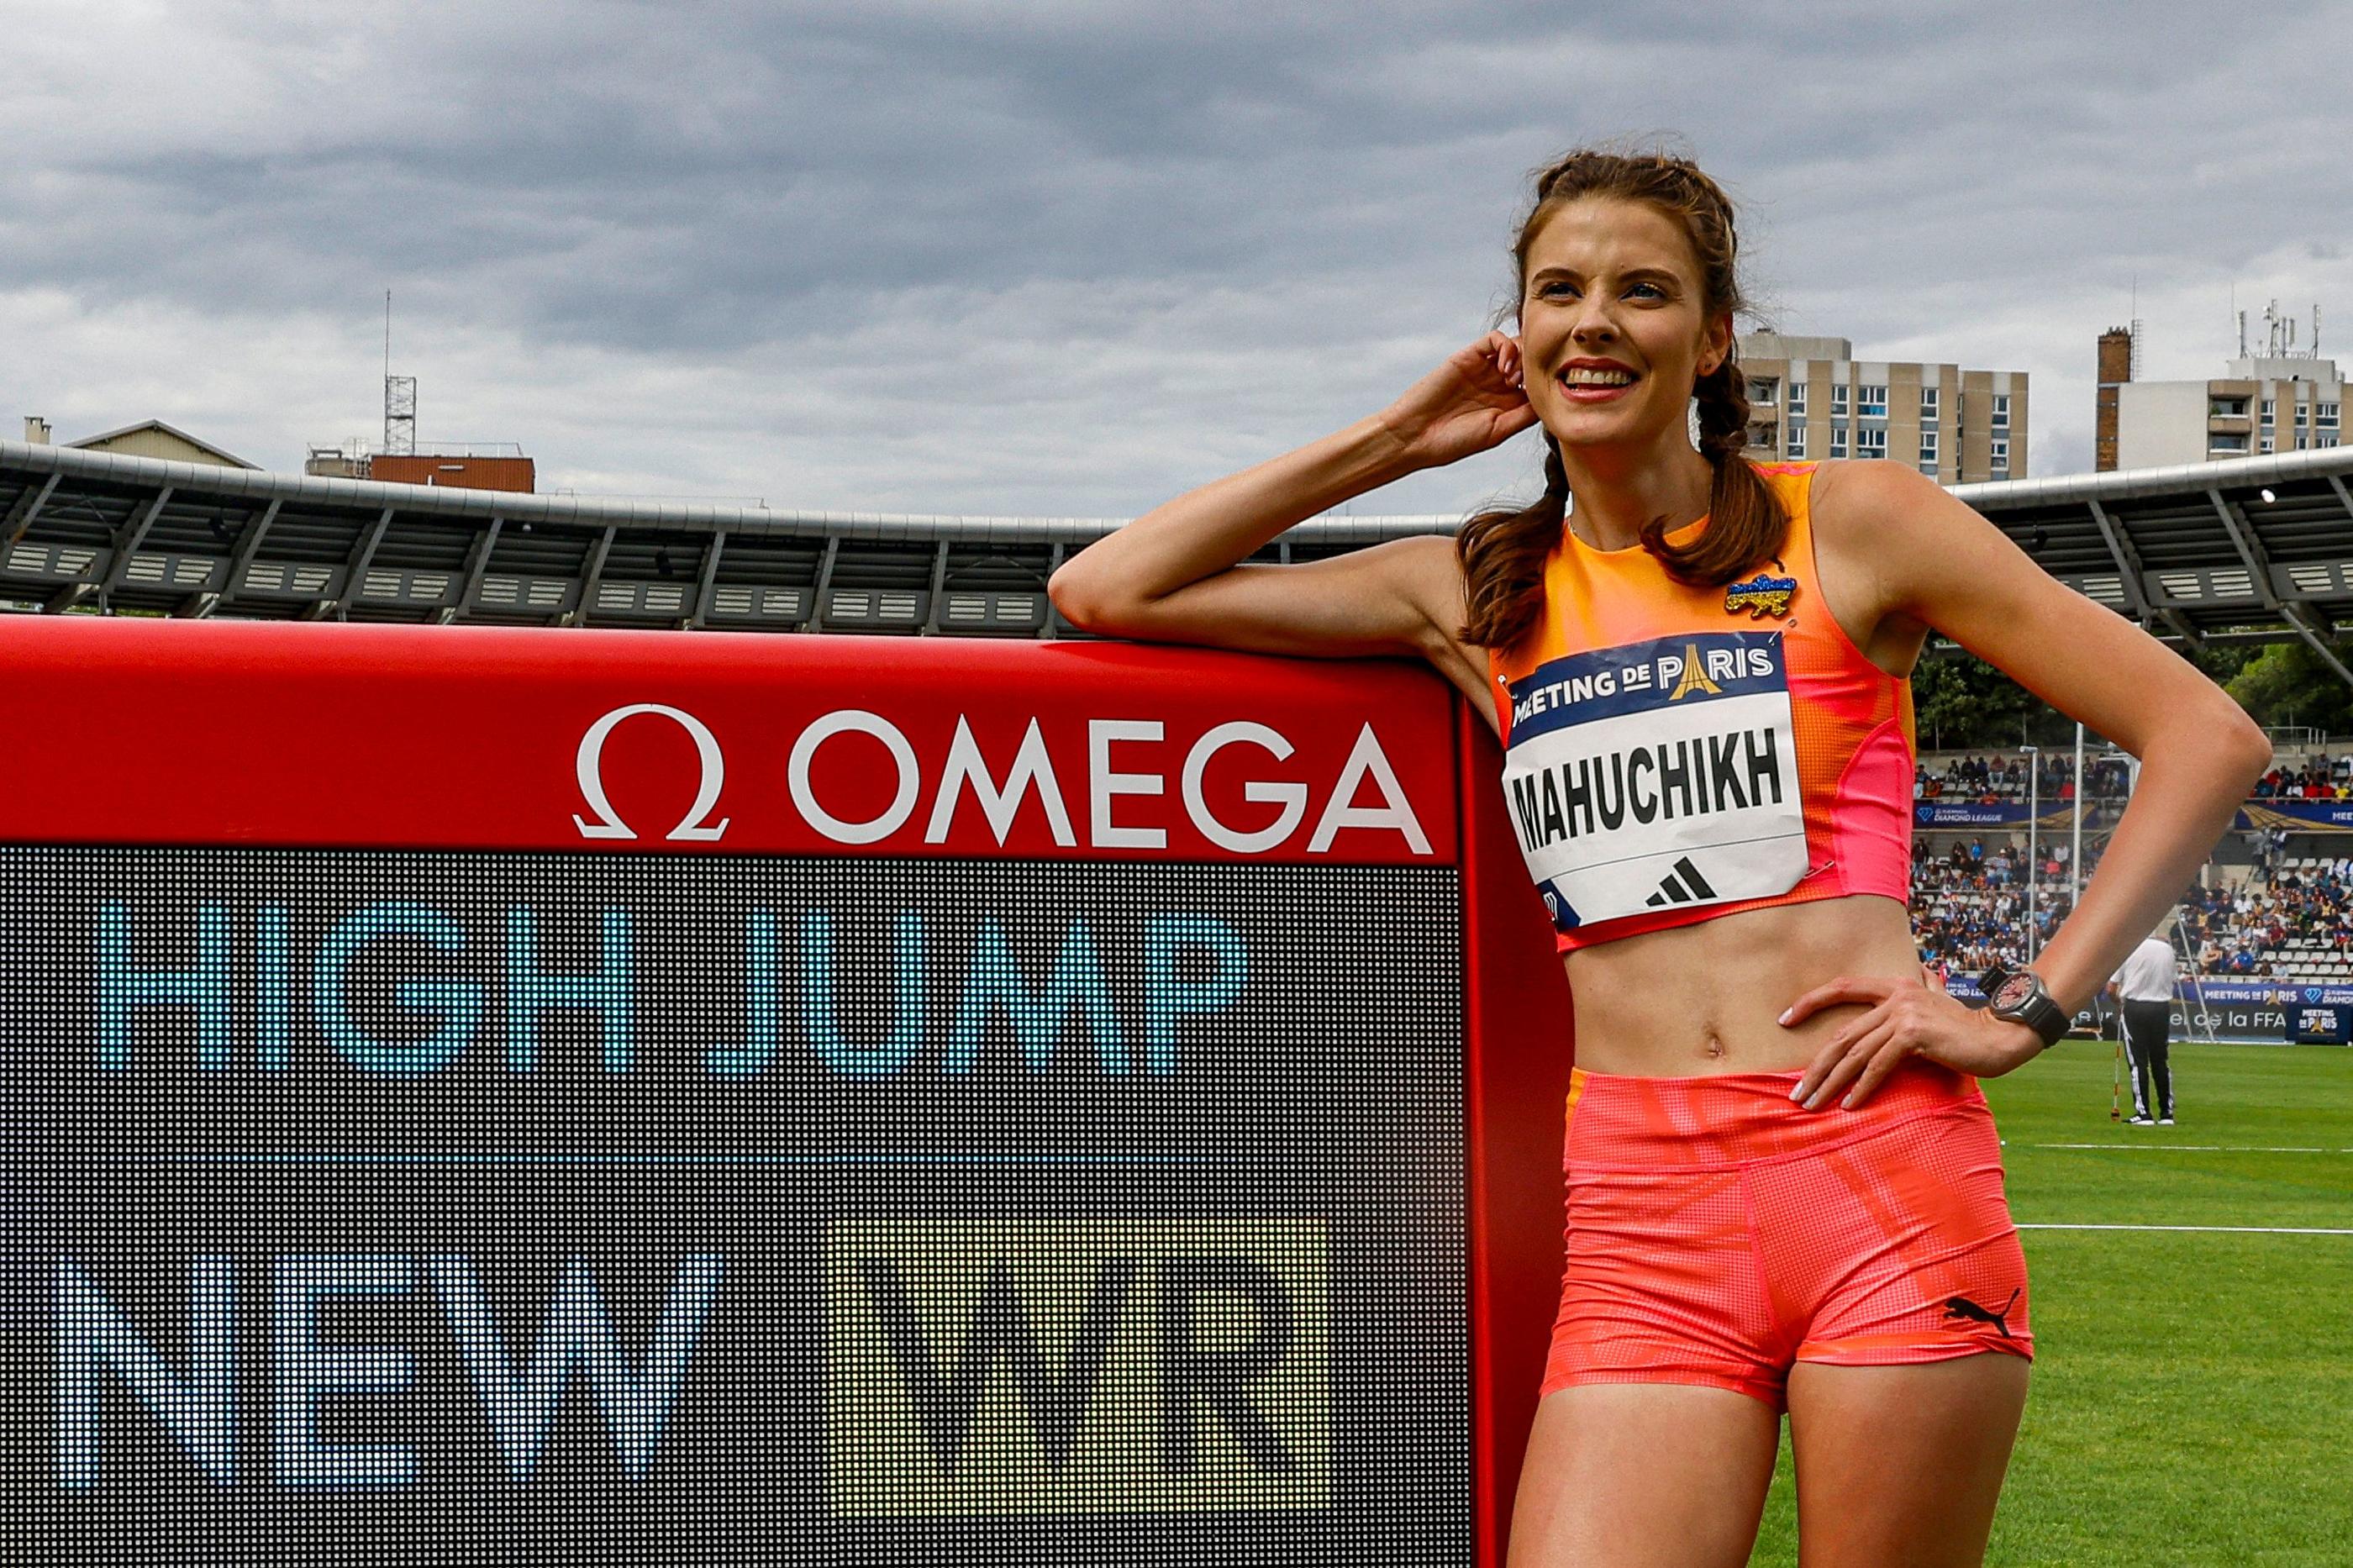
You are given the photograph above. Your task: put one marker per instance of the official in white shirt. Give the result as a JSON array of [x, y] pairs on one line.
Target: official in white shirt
[[2145, 985]]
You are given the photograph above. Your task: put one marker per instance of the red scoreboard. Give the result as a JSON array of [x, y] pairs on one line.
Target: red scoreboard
[[580, 1095]]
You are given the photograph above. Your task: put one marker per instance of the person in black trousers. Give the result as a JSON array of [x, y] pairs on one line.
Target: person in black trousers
[[2144, 987]]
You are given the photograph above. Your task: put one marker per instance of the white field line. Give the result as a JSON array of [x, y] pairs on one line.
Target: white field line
[[2205, 1148], [2233, 1229]]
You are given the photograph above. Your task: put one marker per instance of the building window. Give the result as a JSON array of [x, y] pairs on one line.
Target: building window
[[2301, 439], [2325, 415], [2226, 409], [2266, 444], [1797, 437], [1763, 391], [1762, 438], [2269, 406], [1838, 400], [1871, 441], [2325, 439], [2230, 441], [1797, 399], [2001, 414], [1870, 402], [1929, 448], [1838, 440], [1927, 403], [2001, 453]]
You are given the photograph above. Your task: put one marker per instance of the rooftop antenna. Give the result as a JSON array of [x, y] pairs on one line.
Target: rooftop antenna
[[2132, 354], [399, 397], [2316, 329]]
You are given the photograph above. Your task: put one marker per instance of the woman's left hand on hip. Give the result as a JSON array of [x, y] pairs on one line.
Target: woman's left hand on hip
[[1902, 1017]]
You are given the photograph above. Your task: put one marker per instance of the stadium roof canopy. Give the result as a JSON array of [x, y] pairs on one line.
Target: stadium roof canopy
[[2242, 548]]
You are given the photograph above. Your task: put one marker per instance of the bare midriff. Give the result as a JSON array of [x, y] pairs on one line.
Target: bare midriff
[[1708, 997]]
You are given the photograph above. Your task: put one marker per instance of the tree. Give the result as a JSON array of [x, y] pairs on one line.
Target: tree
[[2286, 683], [1960, 703]]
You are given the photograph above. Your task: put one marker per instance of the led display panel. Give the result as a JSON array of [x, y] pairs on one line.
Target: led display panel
[[430, 1205]]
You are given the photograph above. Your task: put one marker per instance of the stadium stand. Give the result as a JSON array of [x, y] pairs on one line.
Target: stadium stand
[[2241, 548], [2254, 549], [1999, 777], [2289, 920]]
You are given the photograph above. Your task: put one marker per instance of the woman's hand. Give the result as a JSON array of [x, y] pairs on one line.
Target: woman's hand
[[1905, 1019], [1470, 402]]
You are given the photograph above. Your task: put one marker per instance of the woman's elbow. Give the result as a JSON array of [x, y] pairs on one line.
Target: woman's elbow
[[1071, 601], [1083, 604], [2243, 740]]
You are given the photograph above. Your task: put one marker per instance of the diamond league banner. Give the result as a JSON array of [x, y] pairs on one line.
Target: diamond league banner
[[2264, 1010], [2298, 816], [1962, 813], [575, 1096]]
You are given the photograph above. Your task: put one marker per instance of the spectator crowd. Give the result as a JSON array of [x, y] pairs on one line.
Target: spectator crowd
[[1969, 904], [2322, 780], [2244, 931], [1969, 909], [2003, 777], [1970, 901]]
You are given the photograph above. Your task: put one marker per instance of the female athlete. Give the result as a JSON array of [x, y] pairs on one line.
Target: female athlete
[[1785, 1189]]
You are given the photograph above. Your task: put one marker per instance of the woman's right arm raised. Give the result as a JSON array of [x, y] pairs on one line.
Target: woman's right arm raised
[[1172, 576]]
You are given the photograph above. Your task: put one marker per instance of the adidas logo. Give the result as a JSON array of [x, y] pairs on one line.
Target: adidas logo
[[1682, 886]]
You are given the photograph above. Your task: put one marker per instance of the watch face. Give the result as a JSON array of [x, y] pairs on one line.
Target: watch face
[[2013, 993]]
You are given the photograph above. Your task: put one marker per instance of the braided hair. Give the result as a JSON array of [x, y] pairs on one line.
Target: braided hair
[[1503, 552]]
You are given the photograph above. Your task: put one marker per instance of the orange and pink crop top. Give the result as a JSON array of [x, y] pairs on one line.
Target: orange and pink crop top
[[1675, 753]]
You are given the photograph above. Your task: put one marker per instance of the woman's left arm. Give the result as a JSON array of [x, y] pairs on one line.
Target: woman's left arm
[[1931, 559]]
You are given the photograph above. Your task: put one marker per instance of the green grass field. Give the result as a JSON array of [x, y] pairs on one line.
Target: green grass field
[[2192, 1396]]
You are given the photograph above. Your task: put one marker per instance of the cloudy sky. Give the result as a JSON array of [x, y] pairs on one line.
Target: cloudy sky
[[1068, 258]]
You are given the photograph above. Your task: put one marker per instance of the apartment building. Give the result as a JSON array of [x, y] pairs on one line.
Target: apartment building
[[1811, 397], [2276, 402]]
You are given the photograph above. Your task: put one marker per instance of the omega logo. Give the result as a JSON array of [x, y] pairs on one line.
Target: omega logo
[[965, 776], [589, 765]]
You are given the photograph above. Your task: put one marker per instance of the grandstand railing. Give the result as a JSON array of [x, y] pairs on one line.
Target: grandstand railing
[[2255, 547]]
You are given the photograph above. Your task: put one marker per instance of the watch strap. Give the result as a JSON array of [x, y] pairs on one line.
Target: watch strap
[[2038, 1011]]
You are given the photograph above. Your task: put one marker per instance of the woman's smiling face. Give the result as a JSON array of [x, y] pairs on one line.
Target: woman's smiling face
[[1613, 322]]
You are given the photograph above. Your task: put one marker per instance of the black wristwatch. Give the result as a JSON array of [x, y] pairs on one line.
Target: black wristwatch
[[2020, 997]]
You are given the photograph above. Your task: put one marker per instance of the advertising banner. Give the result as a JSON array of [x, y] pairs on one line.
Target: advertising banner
[[2264, 1010], [1954, 813], [601, 1096], [2240, 1010], [2298, 816]]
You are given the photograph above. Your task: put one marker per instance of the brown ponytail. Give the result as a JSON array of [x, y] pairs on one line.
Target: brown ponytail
[[1503, 552], [1502, 558]]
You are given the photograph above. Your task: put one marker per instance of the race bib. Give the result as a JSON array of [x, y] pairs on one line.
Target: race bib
[[1657, 774]]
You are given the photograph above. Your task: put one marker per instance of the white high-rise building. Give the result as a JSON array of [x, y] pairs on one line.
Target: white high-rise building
[[2278, 401]]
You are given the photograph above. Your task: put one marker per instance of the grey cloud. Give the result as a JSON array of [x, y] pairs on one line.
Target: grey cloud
[[939, 257]]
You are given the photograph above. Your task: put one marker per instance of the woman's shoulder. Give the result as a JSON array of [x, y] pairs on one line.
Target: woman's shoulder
[[1846, 493]]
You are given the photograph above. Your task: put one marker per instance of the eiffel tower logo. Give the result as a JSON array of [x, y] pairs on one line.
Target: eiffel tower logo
[[1695, 678], [1682, 886]]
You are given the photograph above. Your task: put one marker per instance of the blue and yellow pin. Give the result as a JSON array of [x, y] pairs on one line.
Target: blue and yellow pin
[[1762, 595]]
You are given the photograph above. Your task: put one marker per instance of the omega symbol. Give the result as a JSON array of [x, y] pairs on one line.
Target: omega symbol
[[589, 765]]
